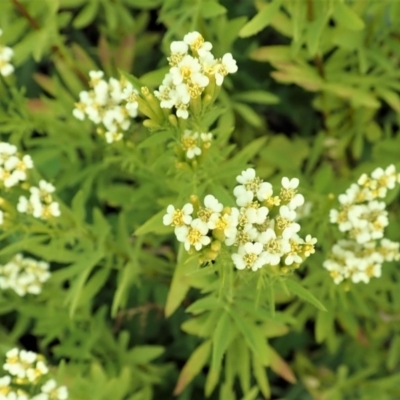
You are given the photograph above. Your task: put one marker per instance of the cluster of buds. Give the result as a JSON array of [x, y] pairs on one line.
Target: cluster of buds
[[14, 175], [262, 229], [6, 54], [193, 74], [363, 218], [24, 275], [27, 376], [111, 105]]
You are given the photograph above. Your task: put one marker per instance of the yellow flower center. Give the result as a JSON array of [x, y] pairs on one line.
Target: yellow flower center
[[194, 236]]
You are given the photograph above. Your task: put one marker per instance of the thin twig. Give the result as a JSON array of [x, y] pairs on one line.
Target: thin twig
[[24, 12], [131, 312]]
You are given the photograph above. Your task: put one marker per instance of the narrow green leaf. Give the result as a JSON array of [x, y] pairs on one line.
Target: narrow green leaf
[[126, 276], [324, 325], [243, 364], [94, 285], [252, 394], [304, 294], [253, 337], [314, 32], [261, 377], [78, 206], [154, 225], [393, 353], [280, 367], [145, 354], [204, 304], [261, 20], [213, 378], [156, 139], [180, 283], [86, 15], [193, 366], [86, 264], [223, 331], [248, 114], [211, 9], [257, 96], [345, 16], [137, 84]]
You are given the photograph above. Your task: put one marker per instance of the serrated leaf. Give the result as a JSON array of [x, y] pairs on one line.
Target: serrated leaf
[[304, 294], [261, 20]]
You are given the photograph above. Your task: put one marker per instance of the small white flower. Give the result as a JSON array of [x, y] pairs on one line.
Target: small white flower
[[190, 144], [185, 70], [256, 215], [225, 67], [227, 223], [206, 137], [274, 247], [6, 54], [178, 217], [250, 256], [197, 43], [265, 191], [213, 204], [194, 235], [58, 393], [179, 47]]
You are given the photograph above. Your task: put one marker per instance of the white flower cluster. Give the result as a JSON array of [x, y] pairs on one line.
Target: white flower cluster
[[111, 104], [13, 167], [40, 204], [193, 143], [26, 369], [6, 54], [190, 74], [363, 218], [14, 172], [263, 227], [24, 275]]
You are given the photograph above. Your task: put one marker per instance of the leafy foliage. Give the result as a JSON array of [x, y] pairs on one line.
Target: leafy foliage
[[127, 313]]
